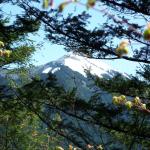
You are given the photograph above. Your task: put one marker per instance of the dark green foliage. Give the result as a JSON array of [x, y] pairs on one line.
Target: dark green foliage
[[131, 86], [14, 34], [144, 72], [59, 110], [41, 104], [129, 132]]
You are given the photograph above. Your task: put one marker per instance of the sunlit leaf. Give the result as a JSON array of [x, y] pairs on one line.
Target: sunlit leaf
[[62, 6], [91, 3], [45, 4]]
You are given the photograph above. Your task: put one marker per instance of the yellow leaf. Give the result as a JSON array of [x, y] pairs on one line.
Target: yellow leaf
[[124, 43], [7, 53], [59, 148], [62, 6], [128, 104], [45, 4], [1, 44], [91, 3], [1, 53], [70, 147], [146, 34], [136, 101], [122, 49], [122, 98], [143, 106], [100, 147], [115, 100]]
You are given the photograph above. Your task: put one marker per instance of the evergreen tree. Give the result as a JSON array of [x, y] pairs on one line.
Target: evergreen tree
[[117, 131], [19, 128], [62, 112]]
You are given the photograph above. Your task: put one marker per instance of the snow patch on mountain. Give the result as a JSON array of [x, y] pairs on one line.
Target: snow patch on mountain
[[50, 69], [80, 64]]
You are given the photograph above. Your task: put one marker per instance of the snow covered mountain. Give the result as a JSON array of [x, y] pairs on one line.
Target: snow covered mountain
[[79, 64], [70, 71]]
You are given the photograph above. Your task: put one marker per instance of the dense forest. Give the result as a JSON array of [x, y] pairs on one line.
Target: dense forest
[[39, 114]]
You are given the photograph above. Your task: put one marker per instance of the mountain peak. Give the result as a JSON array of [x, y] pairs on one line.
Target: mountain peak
[[80, 64]]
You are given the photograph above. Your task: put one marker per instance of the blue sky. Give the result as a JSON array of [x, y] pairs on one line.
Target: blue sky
[[49, 52]]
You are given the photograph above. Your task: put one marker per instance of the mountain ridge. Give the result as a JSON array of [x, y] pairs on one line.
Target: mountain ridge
[[70, 71]]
